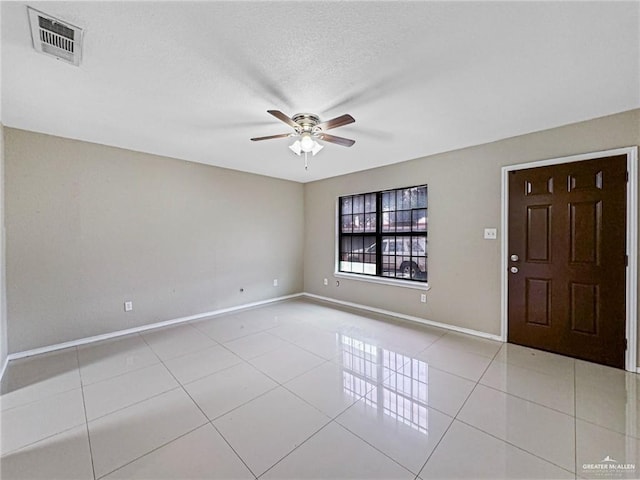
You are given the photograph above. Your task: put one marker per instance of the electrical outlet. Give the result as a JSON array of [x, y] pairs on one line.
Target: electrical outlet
[[275, 282], [326, 281], [128, 306], [423, 298]]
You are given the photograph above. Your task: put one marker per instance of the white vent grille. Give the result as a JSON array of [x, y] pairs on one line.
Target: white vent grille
[[55, 37]]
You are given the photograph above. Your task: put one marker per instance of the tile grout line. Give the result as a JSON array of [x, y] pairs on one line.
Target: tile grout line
[[210, 422], [96, 344], [151, 451], [437, 445], [137, 369], [155, 395], [334, 419], [86, 419], [229, 367], [498, 438], [265, 330], [457, 413], [608, 429], [248, 362], [231, 447], [278, 385], [151, 327], [332, 361], [290, 342], [360, 397], [444, 345], [30, 444], [329, 422], [542, 354], [380, 451], [46, 397], [191, 352], [522, 449], [178, 386], [244, 403], [376, 448], [526, 400]]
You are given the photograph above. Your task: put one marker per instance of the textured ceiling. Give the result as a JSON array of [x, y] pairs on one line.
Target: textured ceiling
[[193, 80]]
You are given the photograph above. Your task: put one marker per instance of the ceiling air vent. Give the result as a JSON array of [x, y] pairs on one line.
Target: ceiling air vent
[[55, 37]]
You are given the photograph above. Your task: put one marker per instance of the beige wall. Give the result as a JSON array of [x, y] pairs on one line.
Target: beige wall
[[464, 198], [90, 226], [3, 290]]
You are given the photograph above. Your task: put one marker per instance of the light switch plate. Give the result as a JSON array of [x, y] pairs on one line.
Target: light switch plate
[[490, 233]]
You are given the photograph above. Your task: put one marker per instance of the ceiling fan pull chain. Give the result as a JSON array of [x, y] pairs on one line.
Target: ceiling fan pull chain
[[306, 165]]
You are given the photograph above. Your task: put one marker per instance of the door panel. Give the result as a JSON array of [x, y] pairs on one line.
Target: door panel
[[584, 230], [585, 308], [567, 230], [538, 293], [538, 233]]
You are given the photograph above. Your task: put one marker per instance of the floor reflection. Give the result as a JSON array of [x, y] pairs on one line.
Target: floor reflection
[[397, 384]]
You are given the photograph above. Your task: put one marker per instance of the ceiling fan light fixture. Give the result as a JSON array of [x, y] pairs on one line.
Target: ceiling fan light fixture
[[295, 147], [307, 142], [308, 128], [316, 147]]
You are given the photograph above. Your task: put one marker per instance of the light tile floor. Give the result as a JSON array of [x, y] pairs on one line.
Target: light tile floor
[[301, 390]]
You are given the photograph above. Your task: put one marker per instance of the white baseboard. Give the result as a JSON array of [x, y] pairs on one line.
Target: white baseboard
[[410, 318], [143, 328], [4, 367]]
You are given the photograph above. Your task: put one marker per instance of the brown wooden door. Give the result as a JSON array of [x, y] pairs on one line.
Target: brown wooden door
[[567, 227]]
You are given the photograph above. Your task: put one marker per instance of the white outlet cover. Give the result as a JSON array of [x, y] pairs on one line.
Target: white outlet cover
[[490, 233], [275, 282]]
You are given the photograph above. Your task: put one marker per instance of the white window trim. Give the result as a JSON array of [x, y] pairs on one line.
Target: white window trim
[[394, 282]]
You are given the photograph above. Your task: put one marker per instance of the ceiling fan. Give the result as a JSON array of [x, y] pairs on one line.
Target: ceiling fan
[[309, 128]]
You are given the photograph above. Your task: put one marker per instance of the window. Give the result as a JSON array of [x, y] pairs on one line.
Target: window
[[384, 234]]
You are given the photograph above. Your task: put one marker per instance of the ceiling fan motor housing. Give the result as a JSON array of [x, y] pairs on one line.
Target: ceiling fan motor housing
[[309, 125], [307, 121]]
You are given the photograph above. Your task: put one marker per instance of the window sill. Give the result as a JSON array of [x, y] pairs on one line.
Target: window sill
[[384, 281]]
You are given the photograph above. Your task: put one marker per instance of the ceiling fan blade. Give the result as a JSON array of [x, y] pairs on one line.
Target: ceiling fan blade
[[282, 135], [282, 117], [345, 119], [345, 142]]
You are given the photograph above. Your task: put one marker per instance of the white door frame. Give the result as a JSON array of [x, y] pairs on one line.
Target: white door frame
[[631, 363]]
